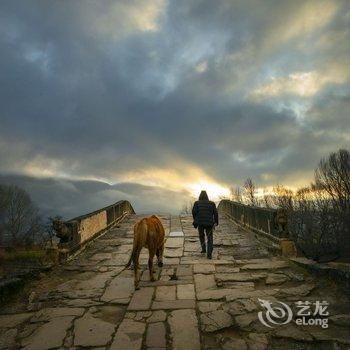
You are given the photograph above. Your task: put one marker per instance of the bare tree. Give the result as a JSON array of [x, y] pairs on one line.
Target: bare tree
[[3, 204], [19, 219], [313, 224], [236, 194], [320, 221], [232, 193], [267, 200], [249, 189], [332, 177], [283, 197]]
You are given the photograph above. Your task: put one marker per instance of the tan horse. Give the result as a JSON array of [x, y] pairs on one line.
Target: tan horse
[[148, 232]]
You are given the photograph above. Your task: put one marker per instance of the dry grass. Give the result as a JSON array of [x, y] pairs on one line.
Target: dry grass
[[22, 255]]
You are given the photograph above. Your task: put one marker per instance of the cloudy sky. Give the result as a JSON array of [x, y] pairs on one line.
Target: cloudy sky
[[154, 100]]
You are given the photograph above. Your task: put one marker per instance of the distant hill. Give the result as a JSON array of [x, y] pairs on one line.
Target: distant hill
[[70, 198]]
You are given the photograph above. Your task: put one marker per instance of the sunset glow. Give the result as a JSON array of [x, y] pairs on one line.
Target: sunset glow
[[215, 191]]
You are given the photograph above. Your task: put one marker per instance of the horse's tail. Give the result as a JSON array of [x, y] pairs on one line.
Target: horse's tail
[[137, 246], [131, 259]]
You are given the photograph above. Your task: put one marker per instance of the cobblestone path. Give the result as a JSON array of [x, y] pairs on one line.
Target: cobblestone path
[[194, 304]]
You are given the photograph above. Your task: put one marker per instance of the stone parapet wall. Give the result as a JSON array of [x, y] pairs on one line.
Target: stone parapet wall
[[91, 225], [261, 219], [75, 232], [270, 224]]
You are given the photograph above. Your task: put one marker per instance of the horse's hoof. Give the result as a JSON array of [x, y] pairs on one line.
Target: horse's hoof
[[160, 264]]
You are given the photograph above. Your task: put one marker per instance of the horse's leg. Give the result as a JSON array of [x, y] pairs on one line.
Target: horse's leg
[[159, 254], [136, 269], [150, 265]]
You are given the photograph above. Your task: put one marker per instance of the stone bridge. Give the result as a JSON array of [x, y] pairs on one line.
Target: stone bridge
[[89, 301]]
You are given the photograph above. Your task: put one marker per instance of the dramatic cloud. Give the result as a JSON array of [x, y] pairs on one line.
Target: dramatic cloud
[[69, 198], [168, 97], [301, 83]]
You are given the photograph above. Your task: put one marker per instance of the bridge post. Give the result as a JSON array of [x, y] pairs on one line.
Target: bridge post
[[288, 248]]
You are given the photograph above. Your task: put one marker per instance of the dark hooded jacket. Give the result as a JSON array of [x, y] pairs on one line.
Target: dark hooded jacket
[[204, 213]]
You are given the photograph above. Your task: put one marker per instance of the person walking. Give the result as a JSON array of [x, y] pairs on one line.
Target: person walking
[[205, 217]]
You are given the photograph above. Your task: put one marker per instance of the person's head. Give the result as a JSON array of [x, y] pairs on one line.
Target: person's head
[[203, 196]]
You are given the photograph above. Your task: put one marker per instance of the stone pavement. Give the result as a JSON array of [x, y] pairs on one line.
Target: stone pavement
[[194, 304]]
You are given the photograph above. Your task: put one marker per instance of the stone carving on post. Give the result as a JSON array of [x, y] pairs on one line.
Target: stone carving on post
[[64, 231], [281, 222]]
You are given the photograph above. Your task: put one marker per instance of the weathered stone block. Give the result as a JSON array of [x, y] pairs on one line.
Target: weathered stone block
[[165, 293], [155, 337], [129, 335], [215, 320], [173, 304], [49, 335], [185, 291], [90, 331], [141, 299], [184, 330]]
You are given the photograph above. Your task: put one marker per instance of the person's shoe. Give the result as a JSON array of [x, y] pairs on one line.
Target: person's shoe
[[209, 256]]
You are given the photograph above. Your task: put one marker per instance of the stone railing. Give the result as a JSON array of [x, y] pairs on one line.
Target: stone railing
[[271, 224], [76, 232]]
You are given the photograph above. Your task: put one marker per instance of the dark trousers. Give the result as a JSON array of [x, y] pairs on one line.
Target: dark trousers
[[209, 233]]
